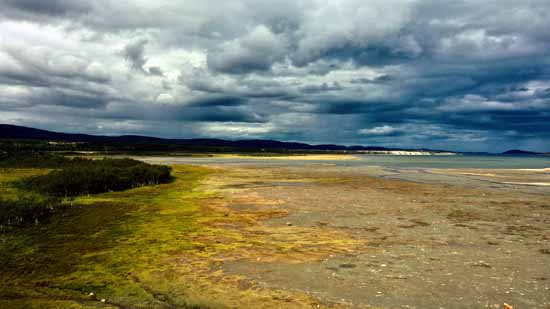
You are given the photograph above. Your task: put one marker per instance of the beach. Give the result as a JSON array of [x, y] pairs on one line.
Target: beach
[[337, 236]]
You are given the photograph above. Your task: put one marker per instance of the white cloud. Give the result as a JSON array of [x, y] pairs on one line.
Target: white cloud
[[236, 130], [382, 130], [476, 103]]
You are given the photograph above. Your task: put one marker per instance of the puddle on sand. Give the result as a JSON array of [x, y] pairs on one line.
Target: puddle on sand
[[267, 184], [244, 207], [289, 184]]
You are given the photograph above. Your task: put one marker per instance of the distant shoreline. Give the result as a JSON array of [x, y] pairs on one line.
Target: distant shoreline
[[307, 157], [407, 153]]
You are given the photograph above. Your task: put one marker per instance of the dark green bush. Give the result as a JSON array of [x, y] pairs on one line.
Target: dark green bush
[[41, 195], [32, 160], [82, 176], [27, 209]]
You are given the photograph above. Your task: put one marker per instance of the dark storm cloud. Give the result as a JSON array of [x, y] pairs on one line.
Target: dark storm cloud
[[376, 55], [43, 69], [524, 123], [52, 79], [181, 113], [211, 114], [43, 7], [135, 55], [55, 97], [245, 88], [442, 74], [218, 115], [155, 71], [75, 100], [36, 78], [357, 107], [217, 101], [379, 79], [256, 51], [321, 88]]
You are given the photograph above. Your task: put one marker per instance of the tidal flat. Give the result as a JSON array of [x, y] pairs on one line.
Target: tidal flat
[[423, 245], [271, 234], [397, 237]]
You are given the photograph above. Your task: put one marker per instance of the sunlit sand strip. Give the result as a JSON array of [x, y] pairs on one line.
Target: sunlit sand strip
[[479, 174], [295, 157], [453, 172], [499, 173], [541, 184], [539, 170]]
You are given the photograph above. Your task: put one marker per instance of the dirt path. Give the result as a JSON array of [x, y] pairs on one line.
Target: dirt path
[[349, 239]]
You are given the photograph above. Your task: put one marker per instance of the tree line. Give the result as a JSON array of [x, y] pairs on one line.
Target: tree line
[[42, 195], [83, 176]]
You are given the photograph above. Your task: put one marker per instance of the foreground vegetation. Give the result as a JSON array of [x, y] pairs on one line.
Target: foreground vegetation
[[83, 176], [27, 208], [149, 247], [37, 196], [105, 246]]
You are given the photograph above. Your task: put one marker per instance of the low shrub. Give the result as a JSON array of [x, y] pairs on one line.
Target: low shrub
[[40, 196], [27, 209], [31, 160], [82, 176]]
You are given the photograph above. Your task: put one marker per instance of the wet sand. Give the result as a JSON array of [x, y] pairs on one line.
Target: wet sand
[[390, 238]]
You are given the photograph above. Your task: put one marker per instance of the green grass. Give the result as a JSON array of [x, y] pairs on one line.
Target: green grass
[[79, 176], [33, 198], [113, 245], [17, 204]]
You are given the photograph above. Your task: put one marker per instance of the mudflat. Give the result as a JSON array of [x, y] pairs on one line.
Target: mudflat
[[370, 237], [248, 233]]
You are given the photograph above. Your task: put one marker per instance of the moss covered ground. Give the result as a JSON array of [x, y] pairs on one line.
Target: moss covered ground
[[158, 247], [103, 247]]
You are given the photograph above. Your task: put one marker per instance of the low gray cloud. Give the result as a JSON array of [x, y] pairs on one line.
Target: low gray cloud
[[38, 8], [255, 51], [471, 75], [135, 55]]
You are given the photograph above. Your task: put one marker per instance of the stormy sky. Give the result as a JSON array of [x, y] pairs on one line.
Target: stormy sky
[[447, 74]]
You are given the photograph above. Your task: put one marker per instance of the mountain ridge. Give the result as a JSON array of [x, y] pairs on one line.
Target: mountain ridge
[[8, 131], [519, 152], [20, 132]]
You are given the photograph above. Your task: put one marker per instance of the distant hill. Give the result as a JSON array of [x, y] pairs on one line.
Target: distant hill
[[20, 132], [518, 152]]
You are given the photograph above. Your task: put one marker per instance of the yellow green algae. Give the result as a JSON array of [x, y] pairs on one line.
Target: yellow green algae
[[101, 246], [154, 247]]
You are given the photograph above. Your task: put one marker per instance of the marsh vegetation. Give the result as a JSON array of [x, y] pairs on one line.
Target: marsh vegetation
[[233, 236], [36, 196], [64, 248]]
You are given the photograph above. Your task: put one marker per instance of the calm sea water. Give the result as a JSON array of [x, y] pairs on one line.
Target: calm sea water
[[463, 161]]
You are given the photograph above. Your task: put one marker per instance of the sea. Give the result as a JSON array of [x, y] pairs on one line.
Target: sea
[[391, 161]]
